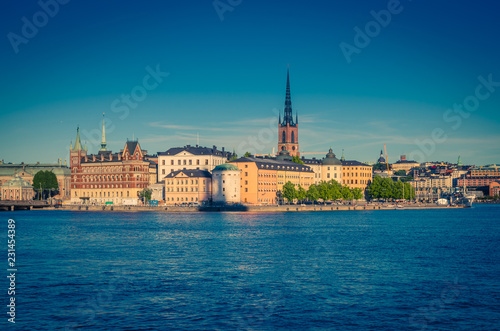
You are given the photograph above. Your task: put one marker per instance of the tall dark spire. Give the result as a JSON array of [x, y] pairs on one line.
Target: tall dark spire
[[288, 118]]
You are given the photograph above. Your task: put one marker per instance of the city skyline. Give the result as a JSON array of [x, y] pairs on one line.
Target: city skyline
[[425, 82]]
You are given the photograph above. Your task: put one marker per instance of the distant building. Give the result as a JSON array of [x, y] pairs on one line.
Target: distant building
[[28, 171], [404, 164], [17, 188], [226, 184], [288, 129], [491, 170], [188, 186], [325, 169], [427, 186], [494, 189], [157, 191], [381, 159], [190, 158]]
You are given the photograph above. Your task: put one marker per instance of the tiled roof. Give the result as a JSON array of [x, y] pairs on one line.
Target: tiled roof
[[190, 173], [274, 164], [354, 163], [196, 150]]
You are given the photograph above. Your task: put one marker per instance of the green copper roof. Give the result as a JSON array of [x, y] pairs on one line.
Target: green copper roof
[[330, 159], [78, 143], [226, 167], [16, 181]]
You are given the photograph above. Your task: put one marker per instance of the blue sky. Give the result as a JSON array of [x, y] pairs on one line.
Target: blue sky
[[221, 74]]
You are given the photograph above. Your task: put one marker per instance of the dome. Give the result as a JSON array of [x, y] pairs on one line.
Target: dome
[[330, 159], [16, 181], [226, 167]]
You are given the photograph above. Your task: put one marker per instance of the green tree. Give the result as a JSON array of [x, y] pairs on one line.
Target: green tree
[[375, 188], [234, 157], [400, 173], [289, 191], [387, 188], [301, 193], [398, 190], [145, 194], [46, 184], [346, 193], [335, 189], [313, 193], [297, 159], [247, 154], [324, 191], [357, 193], [409, 191]]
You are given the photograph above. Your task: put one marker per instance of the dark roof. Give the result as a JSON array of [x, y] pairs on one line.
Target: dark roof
[[274, 164], [190, 173], [114, 157], [197, 150], [312, 161], [406, 161], [131, 145], [354, 163]]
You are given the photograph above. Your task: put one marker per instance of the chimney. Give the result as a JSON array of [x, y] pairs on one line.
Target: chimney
[[222, 149], [93, 157], [215, 147]]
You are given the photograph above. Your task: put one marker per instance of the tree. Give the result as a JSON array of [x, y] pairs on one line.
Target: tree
[[335, 189], [297, 159], [400, 173], [45, 182], [145, 194], [380, 166], [324, 191], [313, 193], [289, 191], [357, 193], [346, 193], [409, 191], [234, 157], [301, 193], [247, 154]]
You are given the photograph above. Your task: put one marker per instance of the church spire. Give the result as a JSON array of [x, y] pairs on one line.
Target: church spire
[[288, 118], [103, 142], [78, 143]]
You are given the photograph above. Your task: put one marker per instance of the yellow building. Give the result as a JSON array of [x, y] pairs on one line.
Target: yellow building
[[356, 174], [262, 178], [188, 186], [325, 169]]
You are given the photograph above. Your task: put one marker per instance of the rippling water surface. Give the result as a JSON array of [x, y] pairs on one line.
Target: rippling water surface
[[398, 269]]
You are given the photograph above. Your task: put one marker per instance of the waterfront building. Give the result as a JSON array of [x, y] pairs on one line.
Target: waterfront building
[[404, 164], [325, 169], [262, 178], [431, 186], [188, 186], [190, 158], [226, 184], [17, 188], [476, 182], [108, 177], [28, 171], [356, 174], [288, 129], [494, 189], [157, 191]]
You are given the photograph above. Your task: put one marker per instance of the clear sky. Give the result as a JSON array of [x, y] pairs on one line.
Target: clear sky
[[422, 76]]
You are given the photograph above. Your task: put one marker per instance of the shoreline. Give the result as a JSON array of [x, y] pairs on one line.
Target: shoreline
[[244, 208]]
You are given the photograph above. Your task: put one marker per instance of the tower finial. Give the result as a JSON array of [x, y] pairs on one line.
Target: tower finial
[[288, 118], [103, 141], [78, 143]]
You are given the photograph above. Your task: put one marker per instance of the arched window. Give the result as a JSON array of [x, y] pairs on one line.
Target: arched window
[[284, 137], [293, 137]]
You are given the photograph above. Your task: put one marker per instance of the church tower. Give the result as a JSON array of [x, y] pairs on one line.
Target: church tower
[[76, 153], [288, 132]]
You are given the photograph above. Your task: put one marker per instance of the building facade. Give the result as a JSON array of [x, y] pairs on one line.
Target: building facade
[[404, 164], [226, 184], [18, 189], [494, 189], [28, 171], [188, 186], [262, 178], [190, 158], [356, 174], [107, 177], [288, 129]]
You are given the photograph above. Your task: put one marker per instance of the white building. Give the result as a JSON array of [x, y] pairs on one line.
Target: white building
[[226, 183], [190, 158]]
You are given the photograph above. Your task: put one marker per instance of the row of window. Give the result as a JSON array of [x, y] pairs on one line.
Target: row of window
[[103, 194], [195, 199], [114, 169], [111, 178]]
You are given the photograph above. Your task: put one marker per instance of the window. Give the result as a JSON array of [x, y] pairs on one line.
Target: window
[[246, 189], [206, 162], [283, 139], [184, 162], [293, 137], [328, 175], [163, 162], [197, 162], [190, 162], [246, 173], [163, 171]]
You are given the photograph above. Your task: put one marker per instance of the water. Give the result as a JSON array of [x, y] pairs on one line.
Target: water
[[397, 269]]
